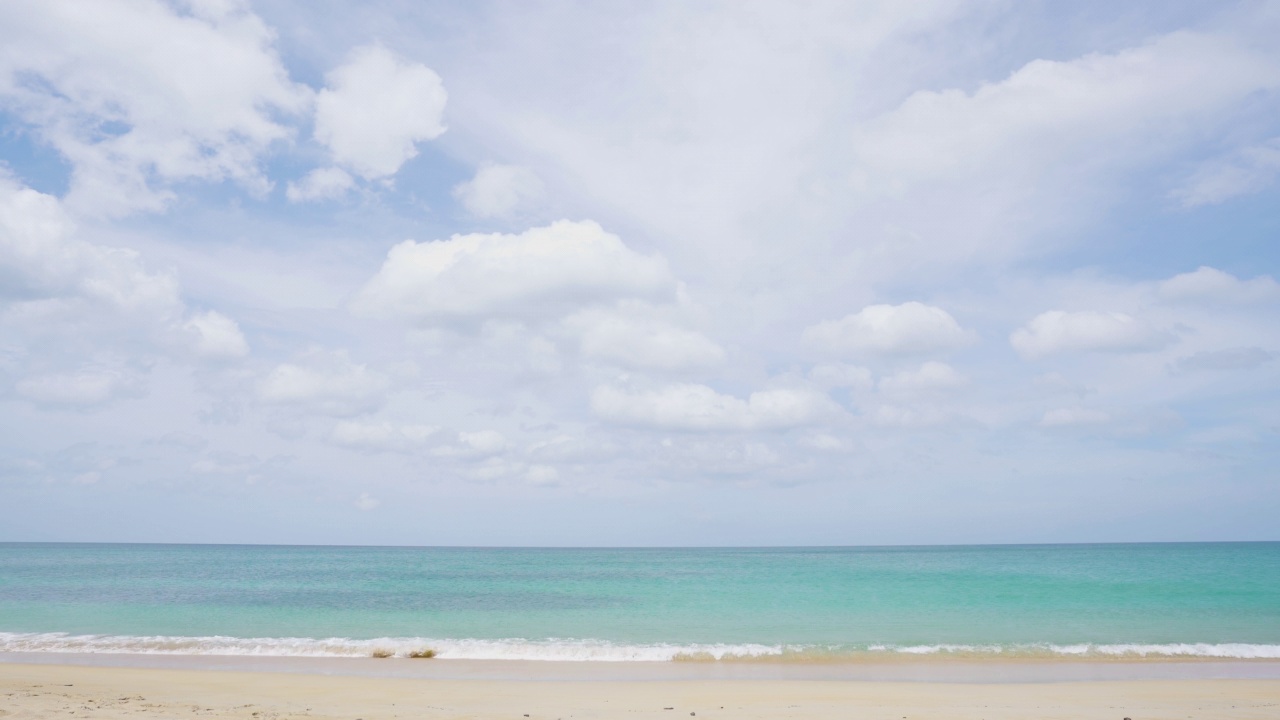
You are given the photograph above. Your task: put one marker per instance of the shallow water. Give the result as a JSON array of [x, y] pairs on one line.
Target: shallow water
[[1094, 601]]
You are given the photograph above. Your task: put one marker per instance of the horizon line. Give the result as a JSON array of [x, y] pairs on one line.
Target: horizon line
[[645, 547]]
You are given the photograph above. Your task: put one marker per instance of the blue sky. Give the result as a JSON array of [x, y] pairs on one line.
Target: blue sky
[[639, 273]]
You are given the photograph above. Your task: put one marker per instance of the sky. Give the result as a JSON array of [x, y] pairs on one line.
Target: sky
[[639, 273]]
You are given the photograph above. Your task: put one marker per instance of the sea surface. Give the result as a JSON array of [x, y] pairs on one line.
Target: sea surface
[[1134, 601]]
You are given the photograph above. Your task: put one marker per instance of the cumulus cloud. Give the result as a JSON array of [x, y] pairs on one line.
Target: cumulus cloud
[[90, 320], [81, 388], [325, 383], [1051, 146], [1213, 285], [1058, 331], [366, 502], [642, 342], [320, 184], [697, 407], [928, 378], [545, 270], [499, 191], [40, 259], [906, 329], [381, 436], [1245, 171], [216, 336], [132, 113], [1073, 416], [1048, 110], [376, 108]]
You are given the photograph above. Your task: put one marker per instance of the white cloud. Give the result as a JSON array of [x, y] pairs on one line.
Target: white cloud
[[499, 191], [90, 320], [544, 270], [325, 383], [833, 375], [1058, 331], [82, 388], [366, 502], [1211, 284], [375, 110], [486, 442], [137, 95], [475, 444], [1245, 171], [930, 377], [1073, 416], [906, 329], [381, 436], [41, 260], [698, 407], [1048, 110], [320, 184], [711, 455], [215, 335], [1005, 168], [642, 342]]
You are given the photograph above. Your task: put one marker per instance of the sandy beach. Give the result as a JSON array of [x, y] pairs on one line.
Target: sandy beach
[[64, 691]]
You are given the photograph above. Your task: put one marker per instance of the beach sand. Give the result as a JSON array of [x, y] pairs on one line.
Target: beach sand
[[63, 691]]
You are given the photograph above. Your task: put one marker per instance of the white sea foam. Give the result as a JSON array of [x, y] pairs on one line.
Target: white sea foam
[[589, 650], [1208, 650], [1244, 651], [462, 649]]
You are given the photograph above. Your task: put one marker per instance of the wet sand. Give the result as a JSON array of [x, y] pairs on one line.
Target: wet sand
[[79, 691], [900, 668]]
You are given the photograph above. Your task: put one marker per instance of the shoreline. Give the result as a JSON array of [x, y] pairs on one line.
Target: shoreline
[[119, 693], [923, 669], [599, 650]]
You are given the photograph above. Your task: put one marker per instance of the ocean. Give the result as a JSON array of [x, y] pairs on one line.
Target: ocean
[[1177, 600]]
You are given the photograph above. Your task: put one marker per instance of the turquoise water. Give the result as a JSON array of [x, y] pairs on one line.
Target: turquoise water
[[1211, 599]]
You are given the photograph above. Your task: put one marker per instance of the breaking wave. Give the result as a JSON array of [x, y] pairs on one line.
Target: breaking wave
[[600, 650]]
